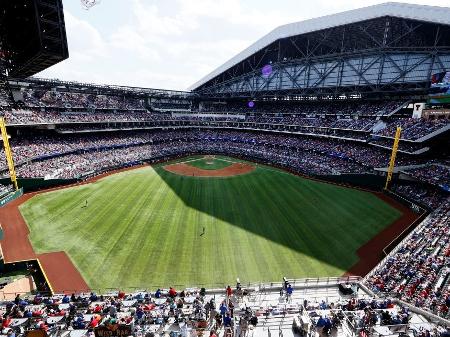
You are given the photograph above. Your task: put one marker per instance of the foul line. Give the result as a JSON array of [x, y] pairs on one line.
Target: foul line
[[45, 276]]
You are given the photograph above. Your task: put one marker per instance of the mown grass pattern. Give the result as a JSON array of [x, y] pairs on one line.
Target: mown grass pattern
[[142, 227]]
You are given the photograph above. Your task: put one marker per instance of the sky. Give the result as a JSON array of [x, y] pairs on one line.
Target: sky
[[171, 44]]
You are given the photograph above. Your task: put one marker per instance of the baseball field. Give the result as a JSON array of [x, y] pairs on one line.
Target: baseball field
[[205, 221]]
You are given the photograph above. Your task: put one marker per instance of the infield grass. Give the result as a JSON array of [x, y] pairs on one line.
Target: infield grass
[[142, 228]]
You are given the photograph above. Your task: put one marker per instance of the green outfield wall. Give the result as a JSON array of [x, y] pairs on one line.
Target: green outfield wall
[[36, 184], [10, 197]]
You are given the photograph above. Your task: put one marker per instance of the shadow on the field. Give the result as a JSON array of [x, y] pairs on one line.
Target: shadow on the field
[[255, 205]]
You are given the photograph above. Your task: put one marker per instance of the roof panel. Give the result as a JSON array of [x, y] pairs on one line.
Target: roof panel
[[439, 15]]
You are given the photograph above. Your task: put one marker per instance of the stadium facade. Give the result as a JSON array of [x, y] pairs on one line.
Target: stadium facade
[[386, 49]]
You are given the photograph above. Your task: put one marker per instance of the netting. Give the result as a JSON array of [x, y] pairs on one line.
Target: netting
[[87, 4]]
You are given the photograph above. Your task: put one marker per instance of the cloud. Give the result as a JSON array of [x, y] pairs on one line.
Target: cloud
[[128, 40], [162, 46]]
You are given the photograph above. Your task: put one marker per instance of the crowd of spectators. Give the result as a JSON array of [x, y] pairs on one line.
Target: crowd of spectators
[[72, 107], [188, 312], [348, 127], [67, 156], [326, 125], [4, 98], [64, 99], [303, 120], [77, 165], [418, 270], [413, 129], [360, 314], [403, 146], [426, 195], [35, 146], [198, 312], [349, 108], [179, 143], [184, 106], [210, 118], [36, 116], [435, 174]]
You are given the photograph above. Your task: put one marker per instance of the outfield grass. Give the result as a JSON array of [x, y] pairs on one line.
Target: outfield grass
[[214, 164], [142, 227]]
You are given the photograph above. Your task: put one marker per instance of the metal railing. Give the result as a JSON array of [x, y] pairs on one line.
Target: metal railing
[[216, 288]]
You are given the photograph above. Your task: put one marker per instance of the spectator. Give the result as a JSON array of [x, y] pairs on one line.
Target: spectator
[[289, 291]]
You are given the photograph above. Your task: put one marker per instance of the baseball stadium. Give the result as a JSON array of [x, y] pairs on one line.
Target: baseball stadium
[[302, 188]]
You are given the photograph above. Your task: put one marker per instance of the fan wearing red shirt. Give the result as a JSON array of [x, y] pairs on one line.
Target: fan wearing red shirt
[[6, 322], [93, 323], [172, 292], [43, 326], [37, 313], [98, 308]]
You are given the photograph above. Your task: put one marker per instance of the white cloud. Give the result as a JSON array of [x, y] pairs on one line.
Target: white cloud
[[151, 22], [128, 40]]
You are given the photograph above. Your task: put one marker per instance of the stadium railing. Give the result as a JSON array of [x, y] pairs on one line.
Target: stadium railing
[[220, 287]]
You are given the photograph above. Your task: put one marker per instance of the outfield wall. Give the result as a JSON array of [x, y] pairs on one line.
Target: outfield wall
[[366, 180], [36, 184], [10, 197]]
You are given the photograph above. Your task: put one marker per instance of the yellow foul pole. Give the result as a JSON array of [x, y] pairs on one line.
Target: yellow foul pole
[[393, 155], [8, 153]]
